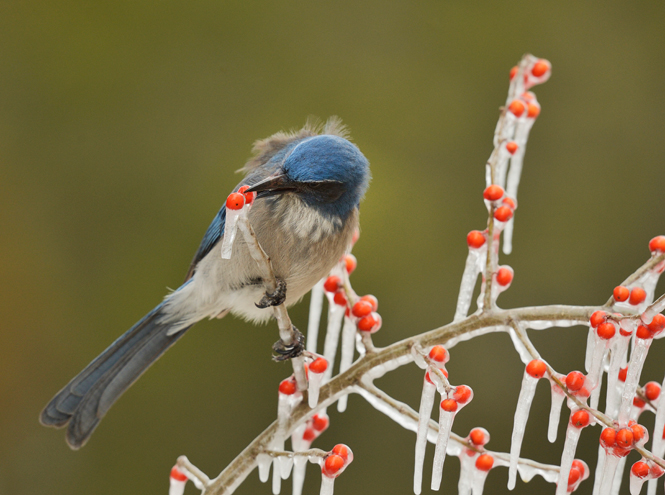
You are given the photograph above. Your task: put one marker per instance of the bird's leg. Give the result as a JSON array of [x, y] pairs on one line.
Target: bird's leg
[[274, 298], [292, 350]]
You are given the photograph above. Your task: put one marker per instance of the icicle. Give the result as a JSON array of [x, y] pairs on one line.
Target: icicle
[[617, 359], [335, 315], [471, 270], [527, 392], [177, 482], [637, 358], [445, 424], [600, 468], [525, 355], [658, 446], [618, 476], [299, 467], [327, 485], [555, 412], [590, 346], [263, 461], [235, 207], [317, 369], [467, 459], [569, 447], [276, 468], [609, 470], [478, 482], [348, 340], [502, 162], [424, 413], [315, 308]]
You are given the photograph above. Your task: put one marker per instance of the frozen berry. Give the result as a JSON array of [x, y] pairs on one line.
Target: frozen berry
[[608, 437], [639, 432], [504, 276], [351, 263], [643, 333], [532, 110], [513, 72], [511, 146], [235, 201], [579, 419], [540, 68], [622, 374], [449, 405], [574, 476], [178, 475], [370, 323], [574, 381], [372, 300], [438, 353], [637, 402], [340, 298], [320, 422], [657, 324], [309, 435], [624, 438], [637, 295], [536, 368], [606, 330], [319, 365], [516, 107], [509, 202], [621, 293], [478, 436], [657, 244], [597, 318], [332, 283], [342, 450], [332, 464], [361, 308], [640, 469], [287, 387], [503, 213], [493, 193], [249, 196], [652, 390], [475, 239], [484, 462], [462, 394]]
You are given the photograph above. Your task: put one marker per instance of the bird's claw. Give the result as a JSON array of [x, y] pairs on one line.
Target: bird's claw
[[274, 298], [292, 350]]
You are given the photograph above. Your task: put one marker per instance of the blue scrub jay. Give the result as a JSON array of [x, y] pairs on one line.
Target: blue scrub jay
[[309, 184]]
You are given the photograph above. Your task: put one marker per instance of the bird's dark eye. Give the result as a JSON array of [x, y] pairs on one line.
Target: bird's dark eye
[[326, 190]]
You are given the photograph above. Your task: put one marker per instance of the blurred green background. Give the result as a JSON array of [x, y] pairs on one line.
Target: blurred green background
[[121, 124]]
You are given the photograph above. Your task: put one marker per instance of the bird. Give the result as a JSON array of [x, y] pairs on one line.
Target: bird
[[308, 185]]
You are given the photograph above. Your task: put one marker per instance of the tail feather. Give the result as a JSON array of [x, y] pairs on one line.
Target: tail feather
[[84, 401]]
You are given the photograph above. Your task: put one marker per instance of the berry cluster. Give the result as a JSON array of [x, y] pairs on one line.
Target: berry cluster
[[337, 461]]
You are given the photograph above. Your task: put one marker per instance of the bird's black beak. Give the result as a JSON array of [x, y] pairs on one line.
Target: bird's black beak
[[273, 184]]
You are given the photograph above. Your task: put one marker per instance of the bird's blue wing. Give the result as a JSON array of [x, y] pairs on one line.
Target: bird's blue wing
[[210, 239]]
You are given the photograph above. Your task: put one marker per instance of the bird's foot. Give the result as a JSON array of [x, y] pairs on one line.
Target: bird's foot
[[292, 350], [274, 298]]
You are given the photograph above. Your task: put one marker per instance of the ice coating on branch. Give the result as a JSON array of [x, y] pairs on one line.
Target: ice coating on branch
[[545, 324], [590, 343], [335, 316], [445, 424], [348, 343], [502, 166], [637, 358], [472, 269], [230, 230], [618, 350], [527, 392], [555, 411], [424, 414], [527, 472], [299, 468], [315, 309], [473, 334], [525, 355]]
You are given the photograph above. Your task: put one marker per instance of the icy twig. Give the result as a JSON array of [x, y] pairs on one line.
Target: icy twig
[[314, 320], [639, 273], [286, 333], [197, 476]]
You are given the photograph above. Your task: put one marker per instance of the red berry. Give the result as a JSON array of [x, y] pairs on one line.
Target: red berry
[[532, 110], [356, 236], [235, 201], [361, 308], [438, 354], [513, 72], [372, 300], [478, 436], [341, 450], [573, 476], [657, 324], [517, 108], [574, 381], [528, 95], [176, 474], [332, 464], [340, 298], [309, 435], [657, 244], [608, 437], [597, 318], [643, 333], [622, 374], [625, 332], [319, 365], [511, 146], [485, 462], [370, 323], [508, 201], [249, 197], [287, 387], [638, 432], [462, 394], [637, 402], [493, 193], [540, 68], [332, 283], [663, 433], [640, 469], [624, 438], [351, 263], [442, 370], [621, 293], [503, 213], [475, 239], [579, 465], [652, 390], [504, 276], [606, 330], [637, 295], [320, 422], [449, 405], [579, 419], [536, 368]]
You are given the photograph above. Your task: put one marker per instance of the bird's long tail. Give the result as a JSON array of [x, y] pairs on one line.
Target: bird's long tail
[[86, 398]]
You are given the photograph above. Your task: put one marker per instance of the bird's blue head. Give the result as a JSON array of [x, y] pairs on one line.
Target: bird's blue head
[[326, 171]]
